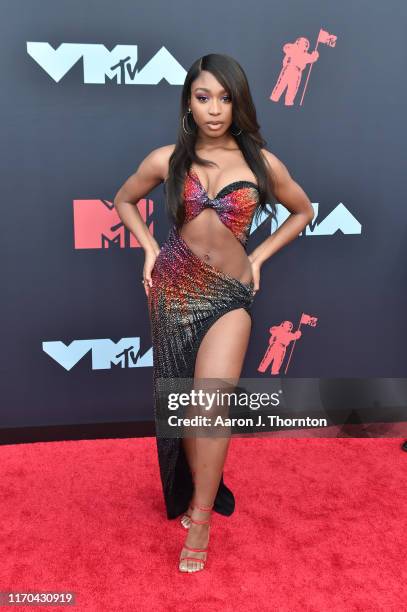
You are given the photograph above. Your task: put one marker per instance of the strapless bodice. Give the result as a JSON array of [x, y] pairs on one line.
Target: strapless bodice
[[235, 203]]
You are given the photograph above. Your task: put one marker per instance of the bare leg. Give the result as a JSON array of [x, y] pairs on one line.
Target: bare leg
[[221, 355], [189, 444]]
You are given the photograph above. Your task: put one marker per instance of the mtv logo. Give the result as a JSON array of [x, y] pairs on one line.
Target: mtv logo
[[98, 226], [125, 353]]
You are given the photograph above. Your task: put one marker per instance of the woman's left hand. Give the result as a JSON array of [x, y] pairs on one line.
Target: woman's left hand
[[256, 267]]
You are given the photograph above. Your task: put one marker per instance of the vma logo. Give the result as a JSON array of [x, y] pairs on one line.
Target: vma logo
[[117, 65], [105, 353], [340, 219], [98, 226]]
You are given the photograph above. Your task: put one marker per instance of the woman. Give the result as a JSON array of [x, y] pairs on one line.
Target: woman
[[201, 284]]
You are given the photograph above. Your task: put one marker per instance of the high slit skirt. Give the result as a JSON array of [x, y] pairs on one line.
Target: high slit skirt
[[187, 296]]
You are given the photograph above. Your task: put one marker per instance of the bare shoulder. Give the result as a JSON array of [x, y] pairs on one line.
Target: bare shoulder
[[278, 168], [158, 160], [152, 171]]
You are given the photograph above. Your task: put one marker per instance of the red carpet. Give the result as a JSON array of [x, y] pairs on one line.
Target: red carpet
[[320, 524]]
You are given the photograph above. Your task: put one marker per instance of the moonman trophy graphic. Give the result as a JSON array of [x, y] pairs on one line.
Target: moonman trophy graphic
[[281, 336], [295, 60]]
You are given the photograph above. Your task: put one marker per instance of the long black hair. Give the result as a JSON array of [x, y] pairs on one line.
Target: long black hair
[[232, 77]]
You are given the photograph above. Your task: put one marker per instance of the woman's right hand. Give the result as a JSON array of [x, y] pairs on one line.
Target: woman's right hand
[[149, 262]]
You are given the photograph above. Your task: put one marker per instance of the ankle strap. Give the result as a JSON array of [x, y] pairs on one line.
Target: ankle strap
[[204, 508], [198, 522]]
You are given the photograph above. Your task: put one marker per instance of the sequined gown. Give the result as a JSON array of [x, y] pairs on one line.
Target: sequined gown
[[187, 296]]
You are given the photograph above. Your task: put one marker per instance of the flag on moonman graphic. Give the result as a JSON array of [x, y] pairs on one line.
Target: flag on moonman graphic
[[308, 320], [326, 38]]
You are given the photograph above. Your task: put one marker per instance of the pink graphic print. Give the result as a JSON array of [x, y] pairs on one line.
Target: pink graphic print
[[281, 336], [295, 60]]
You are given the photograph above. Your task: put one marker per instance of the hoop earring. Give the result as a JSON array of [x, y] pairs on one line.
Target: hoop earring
[[238, 133], [183, 122]]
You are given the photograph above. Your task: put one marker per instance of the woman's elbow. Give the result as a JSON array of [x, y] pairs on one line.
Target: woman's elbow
[[118, 199], [310, 213]]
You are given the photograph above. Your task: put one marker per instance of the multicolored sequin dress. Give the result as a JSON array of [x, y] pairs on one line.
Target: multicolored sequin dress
[[187, 296]]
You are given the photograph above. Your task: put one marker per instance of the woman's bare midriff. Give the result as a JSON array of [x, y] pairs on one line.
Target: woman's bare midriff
[[214, 243]]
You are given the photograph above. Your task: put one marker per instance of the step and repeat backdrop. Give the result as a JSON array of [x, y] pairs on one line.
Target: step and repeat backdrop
[[89, 89]]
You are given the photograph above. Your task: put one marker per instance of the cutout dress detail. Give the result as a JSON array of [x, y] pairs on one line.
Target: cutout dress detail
[[187, 296]]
